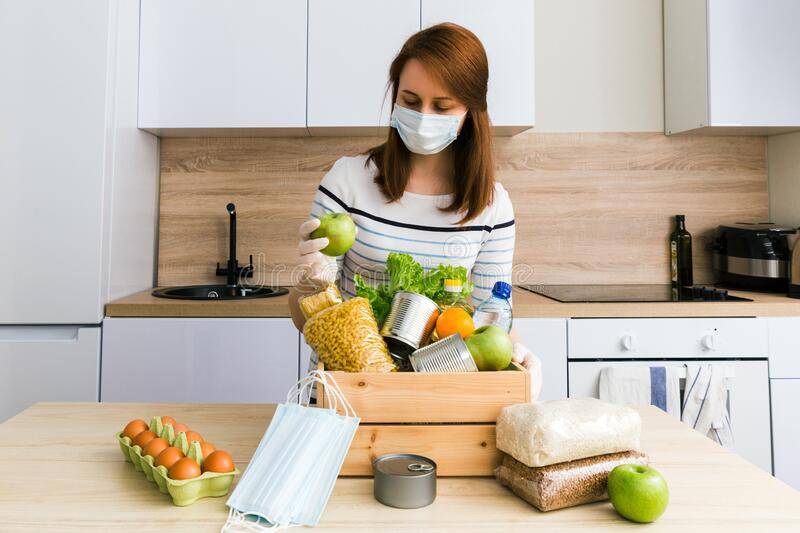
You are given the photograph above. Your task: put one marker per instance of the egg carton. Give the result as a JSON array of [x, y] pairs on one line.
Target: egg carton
[[182, 491]]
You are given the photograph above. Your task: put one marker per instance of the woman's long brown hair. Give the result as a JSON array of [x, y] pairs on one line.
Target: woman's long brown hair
[[456, 57]]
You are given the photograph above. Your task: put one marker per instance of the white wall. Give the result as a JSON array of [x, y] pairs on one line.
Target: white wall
[[133, 170], [599, 65], [783, 160]]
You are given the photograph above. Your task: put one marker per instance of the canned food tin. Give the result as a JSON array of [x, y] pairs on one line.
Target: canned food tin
[[447, 355], [411, 320], [404, 480]]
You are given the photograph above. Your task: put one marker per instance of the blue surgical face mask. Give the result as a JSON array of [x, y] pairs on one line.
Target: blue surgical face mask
[[293, 470], [423, 133]]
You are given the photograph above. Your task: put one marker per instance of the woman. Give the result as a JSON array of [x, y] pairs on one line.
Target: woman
[[429, 190]]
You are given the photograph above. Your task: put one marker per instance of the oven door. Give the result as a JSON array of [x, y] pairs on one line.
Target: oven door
[[748, 398]]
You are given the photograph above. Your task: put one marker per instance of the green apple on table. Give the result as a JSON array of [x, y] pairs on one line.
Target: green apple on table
[[638, 493], [490, 347], [340, 231]]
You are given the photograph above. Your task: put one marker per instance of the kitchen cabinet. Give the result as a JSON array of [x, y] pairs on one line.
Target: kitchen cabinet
[[784, 371], [240, 66], [731, 64], [208, 360], [506, 30], [47, 363], [351, 44], [786, 430], [547, 338]]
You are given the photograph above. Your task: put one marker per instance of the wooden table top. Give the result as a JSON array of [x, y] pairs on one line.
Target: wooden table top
[[526, 305], [62, 470]]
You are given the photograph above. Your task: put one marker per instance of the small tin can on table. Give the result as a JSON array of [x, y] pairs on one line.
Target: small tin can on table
[[404, 480]]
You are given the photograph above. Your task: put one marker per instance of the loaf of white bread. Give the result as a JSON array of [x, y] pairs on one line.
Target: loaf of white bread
[[546, 433]]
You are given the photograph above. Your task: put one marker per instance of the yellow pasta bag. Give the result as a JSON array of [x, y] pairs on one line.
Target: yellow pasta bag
[[345, 337], [314, 303]]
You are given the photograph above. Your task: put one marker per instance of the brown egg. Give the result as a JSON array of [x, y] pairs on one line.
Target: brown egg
[[206, 448], [169, 456], [180, 427], [155, 447], [218, 461], [168, 420], [184, 468], [133, 428], [144, 437], [192, 436]]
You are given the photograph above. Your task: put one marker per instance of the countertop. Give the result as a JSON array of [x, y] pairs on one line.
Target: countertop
[[62, 470], [526, 305]]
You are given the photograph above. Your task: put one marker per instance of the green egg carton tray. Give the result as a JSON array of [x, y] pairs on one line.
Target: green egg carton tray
[[183, 491]]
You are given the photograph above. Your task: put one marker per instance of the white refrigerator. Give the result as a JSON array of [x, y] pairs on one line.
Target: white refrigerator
[[78, 192]]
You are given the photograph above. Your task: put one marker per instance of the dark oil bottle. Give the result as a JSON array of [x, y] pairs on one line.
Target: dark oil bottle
[[680, 253]]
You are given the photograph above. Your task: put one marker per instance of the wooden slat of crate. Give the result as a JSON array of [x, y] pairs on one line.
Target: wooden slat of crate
[[458, 449], [413, 397]]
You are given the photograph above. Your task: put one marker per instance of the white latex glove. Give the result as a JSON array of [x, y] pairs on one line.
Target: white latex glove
[[533, 364], [318, 268]]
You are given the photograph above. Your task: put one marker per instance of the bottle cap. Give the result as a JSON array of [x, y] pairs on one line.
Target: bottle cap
[[501, 289], [452, 285]]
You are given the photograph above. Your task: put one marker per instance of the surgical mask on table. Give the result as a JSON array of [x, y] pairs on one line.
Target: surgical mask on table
[[423, 133], [290, 478]]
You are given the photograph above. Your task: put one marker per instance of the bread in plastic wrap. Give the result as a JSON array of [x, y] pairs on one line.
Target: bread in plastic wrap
[[345, 337], [564, 484], [545, 433]]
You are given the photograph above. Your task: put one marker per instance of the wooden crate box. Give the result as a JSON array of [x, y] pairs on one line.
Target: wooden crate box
[[448, 417]]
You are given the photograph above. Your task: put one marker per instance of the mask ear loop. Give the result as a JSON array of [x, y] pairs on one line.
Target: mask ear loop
[[332, 389]]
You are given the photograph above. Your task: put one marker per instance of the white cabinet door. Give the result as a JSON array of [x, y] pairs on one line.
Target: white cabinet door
[[784, 347], [47, 363], [198, 360], [547, 338], [211, 64], [53, 120], [351, 44], [730, 64], [753, 71], [786, 430], [506, 30], [749, 400]]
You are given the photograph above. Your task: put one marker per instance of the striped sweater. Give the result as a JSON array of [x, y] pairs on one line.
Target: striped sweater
[[416, 226]]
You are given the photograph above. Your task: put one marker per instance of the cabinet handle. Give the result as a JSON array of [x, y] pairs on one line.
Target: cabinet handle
[[627, 342], [707, 342]]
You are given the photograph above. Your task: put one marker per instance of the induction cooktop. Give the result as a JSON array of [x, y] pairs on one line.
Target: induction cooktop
[[632, 293]]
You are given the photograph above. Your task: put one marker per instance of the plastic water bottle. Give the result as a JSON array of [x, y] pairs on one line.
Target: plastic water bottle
[[496, 309]]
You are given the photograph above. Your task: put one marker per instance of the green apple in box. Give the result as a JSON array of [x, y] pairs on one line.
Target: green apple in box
[[490, 347], [340, 230]]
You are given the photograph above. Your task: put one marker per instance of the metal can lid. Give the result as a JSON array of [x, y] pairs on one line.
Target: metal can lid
[[404, 464]]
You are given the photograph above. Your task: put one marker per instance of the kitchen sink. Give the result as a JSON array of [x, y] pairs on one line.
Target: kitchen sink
[[219, 292]]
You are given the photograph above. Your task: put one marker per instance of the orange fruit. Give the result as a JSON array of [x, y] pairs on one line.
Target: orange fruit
[[454, 320]]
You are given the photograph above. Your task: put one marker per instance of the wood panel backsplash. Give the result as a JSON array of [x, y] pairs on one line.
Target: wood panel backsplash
[[590, 207]]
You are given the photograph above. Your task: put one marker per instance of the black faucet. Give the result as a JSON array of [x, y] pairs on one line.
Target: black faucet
[[234, 272]]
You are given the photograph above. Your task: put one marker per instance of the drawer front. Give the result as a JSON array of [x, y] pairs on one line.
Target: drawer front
[[635, 338], [458, 450]]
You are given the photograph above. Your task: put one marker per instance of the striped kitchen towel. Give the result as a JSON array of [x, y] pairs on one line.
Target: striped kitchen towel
[[642, 385], [705, 403]]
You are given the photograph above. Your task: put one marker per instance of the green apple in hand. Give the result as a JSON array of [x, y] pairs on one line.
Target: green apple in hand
[[490, 347], [638, 493], [340, 231]]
